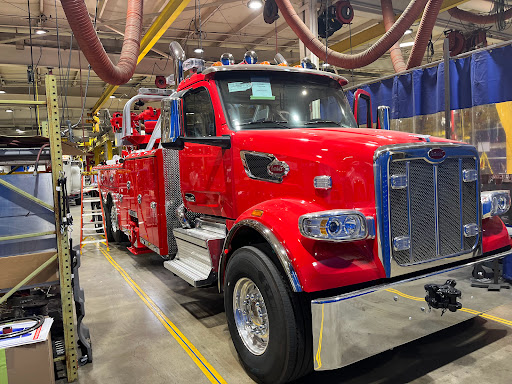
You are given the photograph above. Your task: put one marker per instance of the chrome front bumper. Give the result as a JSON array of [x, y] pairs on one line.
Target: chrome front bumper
[[354, 326]]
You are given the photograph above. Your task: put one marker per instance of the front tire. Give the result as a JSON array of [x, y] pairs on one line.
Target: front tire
[[267, 321]]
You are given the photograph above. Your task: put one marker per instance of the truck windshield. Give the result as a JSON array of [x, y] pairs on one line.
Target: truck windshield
[[282, 100]]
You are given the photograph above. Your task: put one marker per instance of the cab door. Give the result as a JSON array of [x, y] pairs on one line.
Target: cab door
[[203, 167]]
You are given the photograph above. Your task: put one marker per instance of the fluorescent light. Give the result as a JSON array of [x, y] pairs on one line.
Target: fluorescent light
[[407, 44], [408, 31], [9, 110], [19, 130], [255, 4], [325, 65], [41, 31], [199, 50], [304, 92], [2, 91], [112, 97]]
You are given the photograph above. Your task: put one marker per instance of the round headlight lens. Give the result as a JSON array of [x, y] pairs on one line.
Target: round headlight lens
[[502, 203], [351, 225], [334, 226]]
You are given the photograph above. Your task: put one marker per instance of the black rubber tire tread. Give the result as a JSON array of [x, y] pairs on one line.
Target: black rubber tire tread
[[301, 302], [108, 223], [290, 356]]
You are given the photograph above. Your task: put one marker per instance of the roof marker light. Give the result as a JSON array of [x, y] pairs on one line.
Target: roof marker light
[[227, 59], [250, 57]]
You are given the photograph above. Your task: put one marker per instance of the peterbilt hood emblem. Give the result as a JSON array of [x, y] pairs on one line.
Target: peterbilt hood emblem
[[436, 153], [278, 168]]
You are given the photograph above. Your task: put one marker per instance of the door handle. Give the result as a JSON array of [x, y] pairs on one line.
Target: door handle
[[190, 197]]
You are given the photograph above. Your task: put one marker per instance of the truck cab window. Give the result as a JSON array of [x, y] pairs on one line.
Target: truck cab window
[[199, 115]]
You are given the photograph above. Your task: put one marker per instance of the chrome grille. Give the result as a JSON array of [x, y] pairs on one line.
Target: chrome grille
[[426, 202]]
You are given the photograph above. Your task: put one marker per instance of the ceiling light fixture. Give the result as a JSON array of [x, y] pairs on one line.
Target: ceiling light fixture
[[20, 130], [2, 91], [408, 31], [9, 110], [255, 4], [199, 50], [41, 31], [407, 44], [112, 97]]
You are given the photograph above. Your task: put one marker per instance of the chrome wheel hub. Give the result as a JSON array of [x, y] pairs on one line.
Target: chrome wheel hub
[[251, 316], [113, 218]]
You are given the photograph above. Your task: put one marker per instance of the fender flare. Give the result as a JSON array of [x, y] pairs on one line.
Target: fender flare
[[277, 247]]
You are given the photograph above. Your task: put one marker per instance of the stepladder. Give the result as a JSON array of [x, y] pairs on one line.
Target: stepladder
[[92, 215]]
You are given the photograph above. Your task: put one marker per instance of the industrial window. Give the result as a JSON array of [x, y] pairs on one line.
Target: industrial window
[[199, 115]]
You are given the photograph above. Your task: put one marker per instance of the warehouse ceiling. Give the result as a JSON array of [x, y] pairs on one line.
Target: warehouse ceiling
[[227, 26]]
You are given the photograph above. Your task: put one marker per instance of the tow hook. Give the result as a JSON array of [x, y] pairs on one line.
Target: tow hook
[[443, 296]]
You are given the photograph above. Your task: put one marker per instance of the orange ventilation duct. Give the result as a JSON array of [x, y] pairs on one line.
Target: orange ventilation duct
[[80, 22]]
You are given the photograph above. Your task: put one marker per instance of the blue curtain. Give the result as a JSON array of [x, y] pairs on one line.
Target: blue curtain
[[482, 78]]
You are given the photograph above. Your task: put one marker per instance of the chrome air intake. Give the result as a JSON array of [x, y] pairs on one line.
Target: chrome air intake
[[427, 203]]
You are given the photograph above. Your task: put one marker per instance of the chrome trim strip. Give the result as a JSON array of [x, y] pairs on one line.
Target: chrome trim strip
[[268, 156], [409, 221], [149, 245], [277, 247]]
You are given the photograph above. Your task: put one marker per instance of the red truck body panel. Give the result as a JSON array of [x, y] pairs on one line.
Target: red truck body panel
[[221, 187]]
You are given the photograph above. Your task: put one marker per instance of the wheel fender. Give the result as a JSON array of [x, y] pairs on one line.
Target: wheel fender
[[494, 234], [267, 219]]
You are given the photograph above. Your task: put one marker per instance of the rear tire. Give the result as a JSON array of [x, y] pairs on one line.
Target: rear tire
[[281, 350], [108, 223], [113, 224]]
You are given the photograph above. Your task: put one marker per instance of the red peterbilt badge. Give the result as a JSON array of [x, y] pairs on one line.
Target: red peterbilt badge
[[278, 169], [436, 153]]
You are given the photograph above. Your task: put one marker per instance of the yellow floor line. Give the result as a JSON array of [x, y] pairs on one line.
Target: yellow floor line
[[468, 310], [210, 373]]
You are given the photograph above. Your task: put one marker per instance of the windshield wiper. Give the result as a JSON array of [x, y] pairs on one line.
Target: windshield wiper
[[279, 123], [319, 121]]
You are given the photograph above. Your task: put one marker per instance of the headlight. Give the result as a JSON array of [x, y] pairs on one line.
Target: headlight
[[495, 203], [336, 226]]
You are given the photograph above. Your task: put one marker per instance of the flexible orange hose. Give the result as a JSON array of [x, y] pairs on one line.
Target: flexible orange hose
[[478, 19], [80, 22], [395, 52], [359, 60], [428, 20]]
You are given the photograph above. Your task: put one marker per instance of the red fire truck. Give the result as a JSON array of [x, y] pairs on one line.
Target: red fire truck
[[330, 242]]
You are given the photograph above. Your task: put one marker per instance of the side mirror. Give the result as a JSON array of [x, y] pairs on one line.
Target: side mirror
[[383, 117], [361, 94]]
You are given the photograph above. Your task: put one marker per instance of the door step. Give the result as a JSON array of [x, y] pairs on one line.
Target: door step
[[192, 271], [197, 247]]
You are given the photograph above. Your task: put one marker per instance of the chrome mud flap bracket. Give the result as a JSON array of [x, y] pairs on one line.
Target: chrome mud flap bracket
[[360, 324]]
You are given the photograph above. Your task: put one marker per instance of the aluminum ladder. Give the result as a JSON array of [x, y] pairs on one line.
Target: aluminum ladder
[[92, 218]]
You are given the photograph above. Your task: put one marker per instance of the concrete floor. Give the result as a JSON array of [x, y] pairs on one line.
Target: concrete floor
[[130, 345]]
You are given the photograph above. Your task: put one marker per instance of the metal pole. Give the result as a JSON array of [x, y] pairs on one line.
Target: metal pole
[[447, 106], [66, 293]]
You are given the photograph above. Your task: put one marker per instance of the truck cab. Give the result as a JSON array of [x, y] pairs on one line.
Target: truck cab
[[309, 225]]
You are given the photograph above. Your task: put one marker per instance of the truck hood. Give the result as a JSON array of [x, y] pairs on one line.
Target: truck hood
[[346, 155]]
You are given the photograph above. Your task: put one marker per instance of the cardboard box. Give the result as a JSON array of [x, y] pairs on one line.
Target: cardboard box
[[13, 269], [27, 364]]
